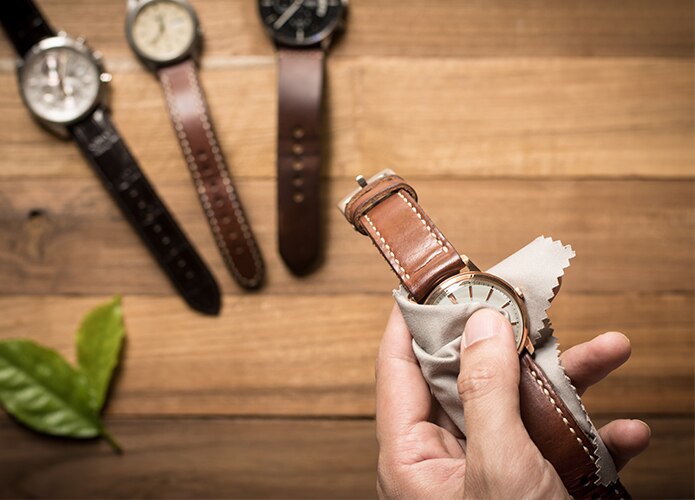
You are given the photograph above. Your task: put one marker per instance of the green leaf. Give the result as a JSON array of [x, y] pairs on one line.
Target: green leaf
[[44, 392], [99, 342]]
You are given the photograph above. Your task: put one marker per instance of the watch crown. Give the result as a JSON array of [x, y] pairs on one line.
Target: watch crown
[[519, 292], [361, 181], [62, 33], [81, 40], [105, 77]]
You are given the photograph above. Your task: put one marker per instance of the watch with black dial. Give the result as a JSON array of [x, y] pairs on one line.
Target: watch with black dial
[[166, 36], [385, 208], [302, 31], [63, 83]]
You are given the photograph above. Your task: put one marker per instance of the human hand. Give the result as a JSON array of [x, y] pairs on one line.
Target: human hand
[[420, 450]]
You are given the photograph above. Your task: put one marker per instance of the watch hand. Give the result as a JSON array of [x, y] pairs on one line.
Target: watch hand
[[291, 10], [62, 75]]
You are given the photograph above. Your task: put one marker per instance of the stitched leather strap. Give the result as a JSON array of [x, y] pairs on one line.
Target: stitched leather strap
[[24, 24], [422, 257], [300, 83], [554, 430], [218, 195], [407, 238], [147, 214]]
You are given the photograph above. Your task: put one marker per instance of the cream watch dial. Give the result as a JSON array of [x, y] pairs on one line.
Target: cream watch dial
[[60, 84], [163, 30], [485, 289]]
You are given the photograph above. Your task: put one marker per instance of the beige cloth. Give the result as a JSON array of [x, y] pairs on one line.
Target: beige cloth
[[437, 331]]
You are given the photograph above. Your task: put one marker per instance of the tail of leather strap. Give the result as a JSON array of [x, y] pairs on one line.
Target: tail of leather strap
[[559, 438], [218, 194], [300, 82]]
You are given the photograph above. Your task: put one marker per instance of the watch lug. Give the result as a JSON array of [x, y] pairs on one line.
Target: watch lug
[[470, 266], [132, 4]]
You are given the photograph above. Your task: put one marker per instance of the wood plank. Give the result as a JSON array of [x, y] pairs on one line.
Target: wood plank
[[67, 236], [422, 28], [314, 354], [476, 118], [202, 458]]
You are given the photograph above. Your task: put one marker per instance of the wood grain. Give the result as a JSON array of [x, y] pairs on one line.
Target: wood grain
[[66, 236], [569, 119], [533, 118], [314, 354], [222, 458], [425, 28]]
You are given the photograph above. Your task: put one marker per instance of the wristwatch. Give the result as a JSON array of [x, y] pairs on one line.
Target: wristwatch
[[166, 37], [63, 83], [385, 208], [302, 31]]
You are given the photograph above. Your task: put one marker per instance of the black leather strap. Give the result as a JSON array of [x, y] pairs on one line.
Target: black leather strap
[[24, 24], [127, 184]]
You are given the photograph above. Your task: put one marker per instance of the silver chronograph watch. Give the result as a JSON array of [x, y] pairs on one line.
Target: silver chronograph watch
[[64, 85], [166, 37]]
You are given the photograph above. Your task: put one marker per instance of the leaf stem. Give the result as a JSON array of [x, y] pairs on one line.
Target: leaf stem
[[112, 442]]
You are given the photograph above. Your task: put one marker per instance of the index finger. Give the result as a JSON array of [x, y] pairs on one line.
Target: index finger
[[402, 395]]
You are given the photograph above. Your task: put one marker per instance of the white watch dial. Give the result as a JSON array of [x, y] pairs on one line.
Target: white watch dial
[[483, 289], [60, 84], [163, 30]]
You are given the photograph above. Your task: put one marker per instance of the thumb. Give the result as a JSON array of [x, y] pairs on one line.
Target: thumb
[[488, 384]]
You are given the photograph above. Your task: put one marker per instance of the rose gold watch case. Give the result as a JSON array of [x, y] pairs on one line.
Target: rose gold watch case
[[454, 282]]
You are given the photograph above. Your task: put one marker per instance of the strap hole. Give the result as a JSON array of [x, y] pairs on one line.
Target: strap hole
[[298, 197], [157, 228], [233, 236], [226, 220], [298, 182], [166, 240], [239, 250], [173, 252], [181, 263], [190, 275], [202, 157], [142, 205], [297, 149], [219, 202], [133, 193], [297, 165], [298, 132]]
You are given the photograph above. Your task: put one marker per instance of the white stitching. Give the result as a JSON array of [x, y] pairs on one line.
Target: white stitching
[[564, 420], [386, 246], [441, 243], [200, 187]]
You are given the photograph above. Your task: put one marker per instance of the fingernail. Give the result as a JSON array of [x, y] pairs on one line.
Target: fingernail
[[649, 429], [482, 325]]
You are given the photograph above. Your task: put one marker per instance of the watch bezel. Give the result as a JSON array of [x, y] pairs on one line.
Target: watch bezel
[[334, 26], [458, 279], [62, 40], [192, 51]]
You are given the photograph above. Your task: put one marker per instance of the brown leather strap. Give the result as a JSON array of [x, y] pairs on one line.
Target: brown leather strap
[[415, 249], [557, 435], [388, 212], [300, 83], [230, 227]]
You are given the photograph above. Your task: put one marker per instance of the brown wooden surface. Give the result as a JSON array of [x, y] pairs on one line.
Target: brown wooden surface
[[512, 119]]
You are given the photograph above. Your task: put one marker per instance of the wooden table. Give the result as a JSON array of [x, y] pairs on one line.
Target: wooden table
[[512, 119]]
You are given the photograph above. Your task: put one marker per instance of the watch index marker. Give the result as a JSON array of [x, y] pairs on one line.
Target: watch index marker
[[470, 291], [505, 305], [489, 294], [452, 298]]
